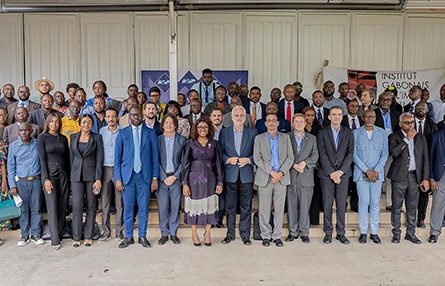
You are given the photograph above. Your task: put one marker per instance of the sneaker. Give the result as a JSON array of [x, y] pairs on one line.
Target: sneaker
[[37, 240], [104, 238], [23, 241]]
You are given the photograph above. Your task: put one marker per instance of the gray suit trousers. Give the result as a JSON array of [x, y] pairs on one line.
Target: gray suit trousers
[[408, 192], [275, 193], [298, 203], [438, 208], [107, 189]]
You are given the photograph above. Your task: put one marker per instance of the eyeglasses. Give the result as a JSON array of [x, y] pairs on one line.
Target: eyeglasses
[[408, 122], [385, 99], [203, 127], [272, 121], [135, 114], [369, 116]]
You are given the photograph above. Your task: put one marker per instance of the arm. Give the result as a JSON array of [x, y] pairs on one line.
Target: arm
[[219, 166], [99, 157], [357, 160], [312, 160], [254, 134], [324, 162], [396, 148], [258, 158], [287, 164], [162, 174], [154, 155], [118, 157], [426, 164], [178, 171], [384, 155], [222, 142], [43, 158], [186, 158], [11, 167], [347, 161], [432, 154]]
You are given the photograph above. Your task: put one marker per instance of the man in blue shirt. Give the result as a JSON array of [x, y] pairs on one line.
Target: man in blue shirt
[[206, 87], [24, 179]]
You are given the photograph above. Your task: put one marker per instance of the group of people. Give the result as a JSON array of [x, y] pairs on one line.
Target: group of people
[[214, 147]]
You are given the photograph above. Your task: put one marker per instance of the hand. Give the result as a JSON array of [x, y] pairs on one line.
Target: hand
[[335, 176], [410, 135], [154, 185], [232, 161], [434, 185], [243, 162], [48, 186], [13, 191], [276, 175], [97, 185], [169, 180], [301, 166], [274, 181], [425, 184], [372, 175], [119, 186], [186, 191], [4, 187], [219, 189], [337, 180]]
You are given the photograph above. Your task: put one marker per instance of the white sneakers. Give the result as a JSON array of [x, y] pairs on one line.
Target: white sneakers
[[24, 241]]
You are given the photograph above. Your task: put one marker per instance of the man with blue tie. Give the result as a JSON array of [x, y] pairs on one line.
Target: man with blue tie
[[237, 153], [206, 87], [136, 171]]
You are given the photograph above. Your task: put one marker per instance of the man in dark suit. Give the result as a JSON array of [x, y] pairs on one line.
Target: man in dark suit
[[23, 101], [409, 169], [335, 148], [150, 118], [136, 171], [254, 107], [415, 94], [195, 111], [283, 126], [321, 112], [298, 91], [237, 152], [288, 106], [39, 116]]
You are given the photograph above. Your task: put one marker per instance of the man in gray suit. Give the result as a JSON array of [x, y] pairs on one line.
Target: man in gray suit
[[274, 157], [336, 148], [299, 192], [227, 118], [11, 132], [39, 116]]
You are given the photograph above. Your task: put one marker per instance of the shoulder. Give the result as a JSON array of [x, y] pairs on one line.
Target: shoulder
[[310, 136]]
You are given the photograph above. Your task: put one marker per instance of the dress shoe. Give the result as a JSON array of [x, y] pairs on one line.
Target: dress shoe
[[421, 224], [305, 239], [362, 238], [278, 242], [175, 239], [220, 225], [413, 239], [266, 242], [375, 238], [343, 239], [126, 242], [395, 239], [290, 237], [227, 240], [197, 244], [388, 208], [144, 242], [432, 239], [327, 238], [163, 240], [354, 209], [247, 241]]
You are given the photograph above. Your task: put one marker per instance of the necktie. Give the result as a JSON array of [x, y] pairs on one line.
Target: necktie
[[420, 127], [289, 113], [319, 117], [254, 115], [207, 94], [411, 108], [353, 124], [137, 151]]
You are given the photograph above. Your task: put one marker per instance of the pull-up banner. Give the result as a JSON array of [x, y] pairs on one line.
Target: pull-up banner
[[378, 81]]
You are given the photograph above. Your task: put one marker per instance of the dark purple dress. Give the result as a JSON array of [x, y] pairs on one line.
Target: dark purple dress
[[202, 171]]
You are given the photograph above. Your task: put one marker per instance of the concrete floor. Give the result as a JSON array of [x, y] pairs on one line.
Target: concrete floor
[[235, 264]]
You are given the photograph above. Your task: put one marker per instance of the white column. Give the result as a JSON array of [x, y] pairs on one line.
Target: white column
[[173, 60]]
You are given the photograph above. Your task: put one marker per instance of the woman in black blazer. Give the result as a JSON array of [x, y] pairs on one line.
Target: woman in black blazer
[[87, 158]]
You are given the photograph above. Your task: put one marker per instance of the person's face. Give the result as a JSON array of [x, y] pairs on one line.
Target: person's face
[[135, 116], [111, 118], [442, 92], [421, 110], [99, 89], [275, 95], [238, 117], [243, 91], [216, 117], [298, 90], [181, 99], [272, 108], [414, 93], [366, 98], [335, 116], [132, 91], [309, 116], [8, 91], [385, 101], [233, 89], [54, 124], [173, 110], [203, 129], [360, 88], [155, 97], [24, 93], [81, 97], [141, 98], [195, 107], [235, 101], [86, 124], [25, 131], [59, 98], [343, 90], [369, 118], [131, 102], [255, 95], [425, 95], [207, 78], [352, 108], [193, 95], [3, 116], [407, 123], [47, 102], [71, 92], [21, 114], [289, 93], [44, 87], [74, 108], [220, 95], [150, 111], [271, 123], [299, 124], [99, 105], [328, 89], [318, 99], [169, 125]]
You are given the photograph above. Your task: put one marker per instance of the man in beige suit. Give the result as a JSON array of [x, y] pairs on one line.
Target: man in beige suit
[[274, 157]]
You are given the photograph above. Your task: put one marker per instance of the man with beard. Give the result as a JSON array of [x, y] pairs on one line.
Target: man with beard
[[288, 106], [23, 101], [298, 91], [44, 86], [99, 114], [415, 94], [321, 112], [206, 87], [128, 103], [39, 116], [275, 95], [195, 111], [220, 102], [216, 119], [232, 89], [329, 99], [283, 126], [227, 119], [255, 108], [243, 93], [192, 94], [8, 95], [150, 118]]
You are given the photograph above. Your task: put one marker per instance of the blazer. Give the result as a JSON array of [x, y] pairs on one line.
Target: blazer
[[227, 120], [309, 154], [331, 159], [86, 167], [261, 157], [398, 148], [124, 155], [189, 117], [345, 122], [38, 117], [13, 106], [437, 155], [178, 150], [227, 144], [361, 109], [369, 154], [298, 107], [263, 109], [11, 133], [284, 125], [429, 115], [394, 119], [429, 127], [326, 120]]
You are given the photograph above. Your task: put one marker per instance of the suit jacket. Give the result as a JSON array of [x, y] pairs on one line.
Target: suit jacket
[[430, 115], [263, 109], [178, 149], [394, 119], [331, 159], [87, 167], [429, 127], [398, 148], [284, 125], [298, 107], [361, 109], [345, 122], [156, 128], [11, 133], [124, 155], [326, 120], [437, 155], [227, 120], [261, 157], [227, 143], [309, 154], [189, 117], [13, 106], [38, 117]]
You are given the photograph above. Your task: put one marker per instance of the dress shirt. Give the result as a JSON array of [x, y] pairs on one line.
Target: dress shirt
[[140, 132], [24, 104], [412, 158], [216, 133], [204, 90], [237, 137], [274, 158], [169, 144], [335, 134], [420, 123], [109, 140], [356, 121], [23, 161], [196, 117], [70, 126], [299, 140], [335, 102], [439, 110], [259, 114], [387, 121]]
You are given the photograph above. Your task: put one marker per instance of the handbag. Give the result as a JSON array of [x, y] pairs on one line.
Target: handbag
[[8, 209]]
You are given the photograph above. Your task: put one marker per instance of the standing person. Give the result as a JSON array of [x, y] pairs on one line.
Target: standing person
[[206, 87], [283, 126], [98, 114], [136, 170], [216, 119], [71, 121], [3, 174], [321, 112], [370, 155], [142, 98], [183, 124], [202, 179], [171, 146], [155, 97], [39, 116], [329, 99], [150, 118], [24, 180], [100, 90], [44, 86], [192, 94], [408, 171], [438, 105], [415, 94], [220, 102], [109, 135], [8, 98], [87, 158], [195, 111], [301, 189], [273, 156], [181, 99], [128, 103], [298, 86], [53, 148], [336, 148], [227, 118], [255, 108], [288, 106], [275, 95], [237, 155], [71, 90], [59, 102], [23, 101], [3, 120], [11, 132], [366, 97], [81, 97]]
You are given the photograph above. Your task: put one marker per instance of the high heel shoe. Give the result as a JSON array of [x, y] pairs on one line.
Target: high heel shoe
[[208, 244], [197, 244]]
